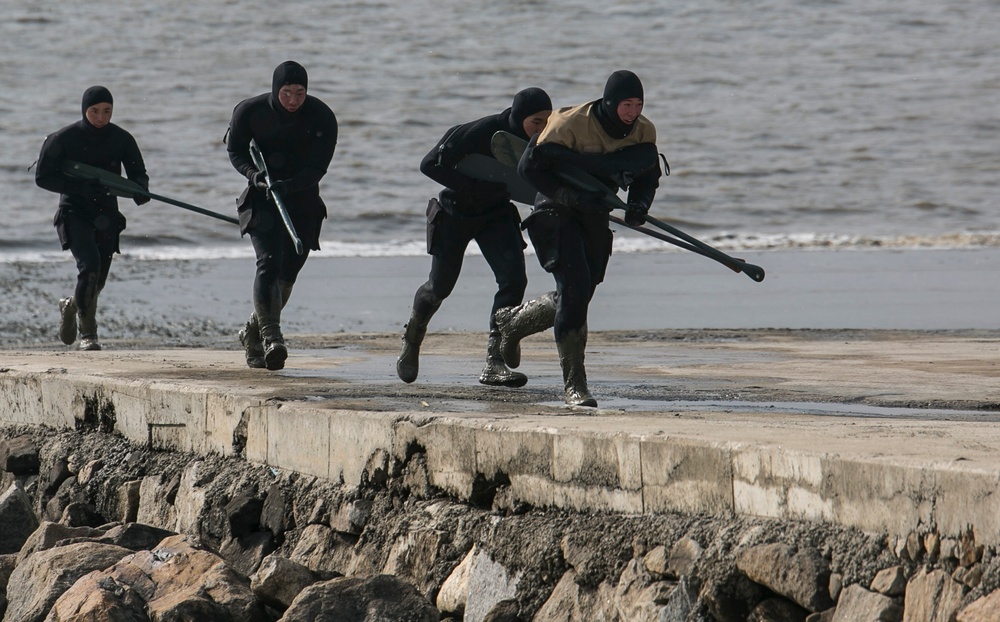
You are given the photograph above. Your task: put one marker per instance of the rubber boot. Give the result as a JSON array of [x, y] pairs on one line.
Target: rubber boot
[[67, 320], [571, 349], [516, 323], [275, 350], [408, 363], [253, 345], [88, 327], [496, 372]]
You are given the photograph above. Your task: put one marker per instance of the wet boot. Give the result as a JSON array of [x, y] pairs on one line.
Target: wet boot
[[496, 372], [571, 349], [516, 323], [408, 363], [253, 345], [67, 320], [88, 327], [275, 350]]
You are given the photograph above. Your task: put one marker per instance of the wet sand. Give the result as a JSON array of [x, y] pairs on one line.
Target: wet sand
[[196, 302]]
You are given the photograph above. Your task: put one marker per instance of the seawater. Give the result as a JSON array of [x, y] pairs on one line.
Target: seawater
[[786, 123]]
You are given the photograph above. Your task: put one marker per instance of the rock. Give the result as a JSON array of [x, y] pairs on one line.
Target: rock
[[381, 598], [324, 550], [777, 610], [155, 506], [801, 576], [985, 609], [914, 546], [635, 595], [889, 581], [973, 576], [17, 519], [39, 580], [351, 516], [49, 533], [58, 473], [276, 515], [683, 556], [19, 456], [413, 557], [856, 603], [683, 600], [243, 514], [128, 501], [655, 561], [88, 471], [246, 552], [823, 616], [567, 602], [932, 544], [279, 580], [504, 611], [81, 515], [489, 583], [932, 596], [176, 581], [135, 536], [454, 592]]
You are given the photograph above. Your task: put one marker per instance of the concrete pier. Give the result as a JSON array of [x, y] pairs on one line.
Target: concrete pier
[[887, 431]]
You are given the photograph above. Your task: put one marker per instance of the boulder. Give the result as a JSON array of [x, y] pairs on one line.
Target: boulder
[[17, 519], [379, 598], [279, 580], [856, 603], [932, 596], [801, 576], [19, 456], [39, 580]]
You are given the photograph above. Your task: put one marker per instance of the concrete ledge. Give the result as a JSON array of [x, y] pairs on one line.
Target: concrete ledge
[[845, 469]]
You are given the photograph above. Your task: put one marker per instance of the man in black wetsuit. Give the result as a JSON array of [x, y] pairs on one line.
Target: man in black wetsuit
[[470, 209], [610, 139], [88, 221], [297, 135]]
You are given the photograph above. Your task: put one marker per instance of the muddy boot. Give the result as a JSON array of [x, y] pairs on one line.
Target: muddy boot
[[571, 349], [408, 363], [67, 320], [496, 372], [88, 327], [252, 344], [516, 323], [275, 351]]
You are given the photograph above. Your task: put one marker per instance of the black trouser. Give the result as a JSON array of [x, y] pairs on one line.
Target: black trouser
[[93, 246], [276, 261], [499, 238], [575, 247]]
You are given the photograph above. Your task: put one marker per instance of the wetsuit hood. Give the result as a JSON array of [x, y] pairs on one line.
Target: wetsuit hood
[[288, 72], [526, 103], [621, 85], [92, 96]]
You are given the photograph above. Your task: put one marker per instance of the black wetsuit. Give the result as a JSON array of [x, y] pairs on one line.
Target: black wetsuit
[[88, 221], [468, 209], [297, 148]]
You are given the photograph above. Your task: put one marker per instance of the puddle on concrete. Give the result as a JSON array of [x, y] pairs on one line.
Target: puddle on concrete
[[791, 408]]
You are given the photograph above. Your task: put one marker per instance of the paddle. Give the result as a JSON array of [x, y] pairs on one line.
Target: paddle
[[126, 188], [508, 148], [258, 160]]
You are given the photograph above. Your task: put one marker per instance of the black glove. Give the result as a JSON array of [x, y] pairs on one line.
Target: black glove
[[140, 199], [281, 187], [635, 214], [258, 180], [577, 198]]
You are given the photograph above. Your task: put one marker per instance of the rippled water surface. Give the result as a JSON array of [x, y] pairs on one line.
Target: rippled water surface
[[789, 123]]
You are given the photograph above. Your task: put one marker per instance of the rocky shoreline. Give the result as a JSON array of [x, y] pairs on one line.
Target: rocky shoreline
[[94, 528]]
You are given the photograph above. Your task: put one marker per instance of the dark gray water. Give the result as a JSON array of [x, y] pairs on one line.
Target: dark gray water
[[786, 123]]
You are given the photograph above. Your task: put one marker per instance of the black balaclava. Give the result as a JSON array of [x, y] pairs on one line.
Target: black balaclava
[[288, 72], [622, 84], [95, 95], [526, 103]]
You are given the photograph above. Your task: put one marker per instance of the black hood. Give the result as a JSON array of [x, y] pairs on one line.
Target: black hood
[[94, 95], [622, 84], [526, 103], [288, 72]]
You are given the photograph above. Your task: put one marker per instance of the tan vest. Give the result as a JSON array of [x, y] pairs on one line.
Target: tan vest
[[577, 128]]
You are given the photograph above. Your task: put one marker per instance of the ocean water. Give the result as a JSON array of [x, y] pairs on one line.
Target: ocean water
[[801, 124]]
